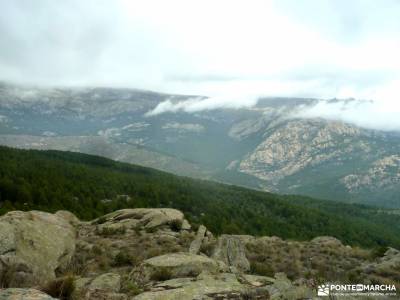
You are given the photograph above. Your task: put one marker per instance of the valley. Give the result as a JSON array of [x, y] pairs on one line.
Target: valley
[[266, 147]]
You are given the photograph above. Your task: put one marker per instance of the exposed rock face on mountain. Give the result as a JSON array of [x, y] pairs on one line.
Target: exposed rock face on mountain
[[144, 254], [269, 146], [298, 145], [34, 246], [378, 176]]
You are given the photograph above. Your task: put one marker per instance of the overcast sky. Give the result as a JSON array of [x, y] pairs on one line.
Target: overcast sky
[[238, 49]]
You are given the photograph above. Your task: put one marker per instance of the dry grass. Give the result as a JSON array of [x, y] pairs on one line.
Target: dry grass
[[15, 275], [60, 288], [303, 259]]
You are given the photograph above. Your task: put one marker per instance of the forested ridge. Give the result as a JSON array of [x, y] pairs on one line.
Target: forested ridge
[[90, 186]]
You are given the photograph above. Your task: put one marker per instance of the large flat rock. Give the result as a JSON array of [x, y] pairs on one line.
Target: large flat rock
[[175, 265], [23, 294], [34, 244]]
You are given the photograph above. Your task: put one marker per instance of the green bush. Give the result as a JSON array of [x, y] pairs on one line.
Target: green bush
[[261, 269]]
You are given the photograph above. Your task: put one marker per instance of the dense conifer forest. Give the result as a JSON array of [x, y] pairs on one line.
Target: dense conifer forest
[[90, 186]]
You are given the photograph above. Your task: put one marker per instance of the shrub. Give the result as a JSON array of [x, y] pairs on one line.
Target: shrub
[[207, 248], [78, 264], [354, 276], [103, 262], [154, 252], [101, 220], [252, 294], [131, 288], [151, 229], [97, 250], [137, 230], [123, 259], [11, 276], [261, 269], [378, 252], [109, 231], [360, 253], [60, 288], [176, 225], [161, 274]]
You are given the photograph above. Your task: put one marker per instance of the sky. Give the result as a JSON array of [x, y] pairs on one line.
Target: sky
[[232, 51]]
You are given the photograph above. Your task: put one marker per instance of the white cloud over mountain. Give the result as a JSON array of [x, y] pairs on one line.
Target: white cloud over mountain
[[231, 51]]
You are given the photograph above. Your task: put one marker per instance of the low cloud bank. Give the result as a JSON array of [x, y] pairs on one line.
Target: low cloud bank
[[380, 114], [197, 104], [365, 114]]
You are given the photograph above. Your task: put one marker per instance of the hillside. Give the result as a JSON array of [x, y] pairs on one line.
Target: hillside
[[91, 186], [270, 146]]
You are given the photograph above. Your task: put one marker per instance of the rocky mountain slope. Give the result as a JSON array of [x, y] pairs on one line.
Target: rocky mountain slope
[[156, 254], [267, 147]]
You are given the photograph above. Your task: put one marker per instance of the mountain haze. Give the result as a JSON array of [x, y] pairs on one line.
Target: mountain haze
[[269, 146]]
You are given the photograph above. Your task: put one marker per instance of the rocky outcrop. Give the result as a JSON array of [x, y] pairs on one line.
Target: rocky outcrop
[[283, 288], [327, 241], [148, 218], [69, 217], [227, 286], [384, 268], [299, 144], [383, 174], [231, 250], [105, 286], [196, 244], [33, 246], [256, 280], [175, 265], [109, 282], [204, 286], [23, 294], [156, 257]]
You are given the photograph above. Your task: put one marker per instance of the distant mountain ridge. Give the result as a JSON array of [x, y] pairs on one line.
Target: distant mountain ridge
[[264, 147]]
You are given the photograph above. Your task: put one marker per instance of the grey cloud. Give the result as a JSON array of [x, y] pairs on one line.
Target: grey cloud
[[322, 49]]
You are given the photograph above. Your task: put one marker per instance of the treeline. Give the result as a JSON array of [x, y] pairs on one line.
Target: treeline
[[91, 186]]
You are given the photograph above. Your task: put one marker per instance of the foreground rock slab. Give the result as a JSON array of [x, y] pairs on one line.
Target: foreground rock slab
[[23, 294], [175, 265], [149, 218], [196, 244], [205, 286], [231, 250], [34, 245]]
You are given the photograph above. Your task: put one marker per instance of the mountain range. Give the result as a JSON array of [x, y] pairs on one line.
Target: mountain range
[[269, 146]]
